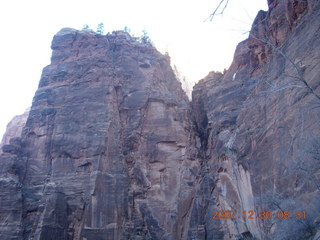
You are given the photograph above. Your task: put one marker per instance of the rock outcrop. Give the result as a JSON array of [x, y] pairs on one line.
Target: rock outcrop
[[106, 152], [113, 149], [259, 128], [14, 128]]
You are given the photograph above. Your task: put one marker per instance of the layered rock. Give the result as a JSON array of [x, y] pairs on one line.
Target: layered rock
[[106, 150], [260, 130], [113, 149]]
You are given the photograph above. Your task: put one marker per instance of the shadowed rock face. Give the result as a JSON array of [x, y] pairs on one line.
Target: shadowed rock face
[[259, 128], [112, 149], [106, 149]]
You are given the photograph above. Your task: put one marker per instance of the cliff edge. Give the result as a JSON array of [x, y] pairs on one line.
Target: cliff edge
[[113, 149]]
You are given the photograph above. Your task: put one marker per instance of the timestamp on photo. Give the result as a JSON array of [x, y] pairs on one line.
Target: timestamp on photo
[[250, 214]]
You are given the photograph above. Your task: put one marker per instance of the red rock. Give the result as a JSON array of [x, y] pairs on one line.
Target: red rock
[[112, 148]]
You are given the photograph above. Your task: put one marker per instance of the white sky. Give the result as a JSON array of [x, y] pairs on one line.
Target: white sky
[[176, 26]]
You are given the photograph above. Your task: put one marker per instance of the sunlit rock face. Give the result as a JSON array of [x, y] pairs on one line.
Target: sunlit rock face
[[113, 149]]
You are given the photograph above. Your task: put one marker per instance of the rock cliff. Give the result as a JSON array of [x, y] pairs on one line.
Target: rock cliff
[[107, 151], [14, 128], [113, 149], [259, 129]]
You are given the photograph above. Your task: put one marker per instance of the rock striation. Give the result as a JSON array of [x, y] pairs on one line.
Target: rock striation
[[112, 148], [106, 152], [259, 128]]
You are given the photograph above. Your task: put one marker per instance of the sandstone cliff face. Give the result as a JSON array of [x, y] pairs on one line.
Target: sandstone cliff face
[[112, 148], [106, 149], [259, 125]]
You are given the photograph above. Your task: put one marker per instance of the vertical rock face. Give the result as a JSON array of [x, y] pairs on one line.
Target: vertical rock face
[[259, 128], [14, 128], [112, 149], [106, 149]]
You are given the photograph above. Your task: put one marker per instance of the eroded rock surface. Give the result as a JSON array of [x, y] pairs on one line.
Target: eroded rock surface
[[113, 149], [14, 128], [259, 126], [106, 149]]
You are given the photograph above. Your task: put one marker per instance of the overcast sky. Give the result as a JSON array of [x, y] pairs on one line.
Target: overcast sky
[[176, 26]]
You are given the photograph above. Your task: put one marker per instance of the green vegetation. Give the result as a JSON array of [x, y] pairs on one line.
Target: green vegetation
[[85, 27], [100, 28]]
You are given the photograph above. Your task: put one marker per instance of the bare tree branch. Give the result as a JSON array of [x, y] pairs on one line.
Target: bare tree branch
[[284, 87], [217, 9], [269, 43], [297, 69]]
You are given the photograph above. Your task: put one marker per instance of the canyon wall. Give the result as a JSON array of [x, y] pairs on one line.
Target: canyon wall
[[113, 149], [259, 128], [107, 149]]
